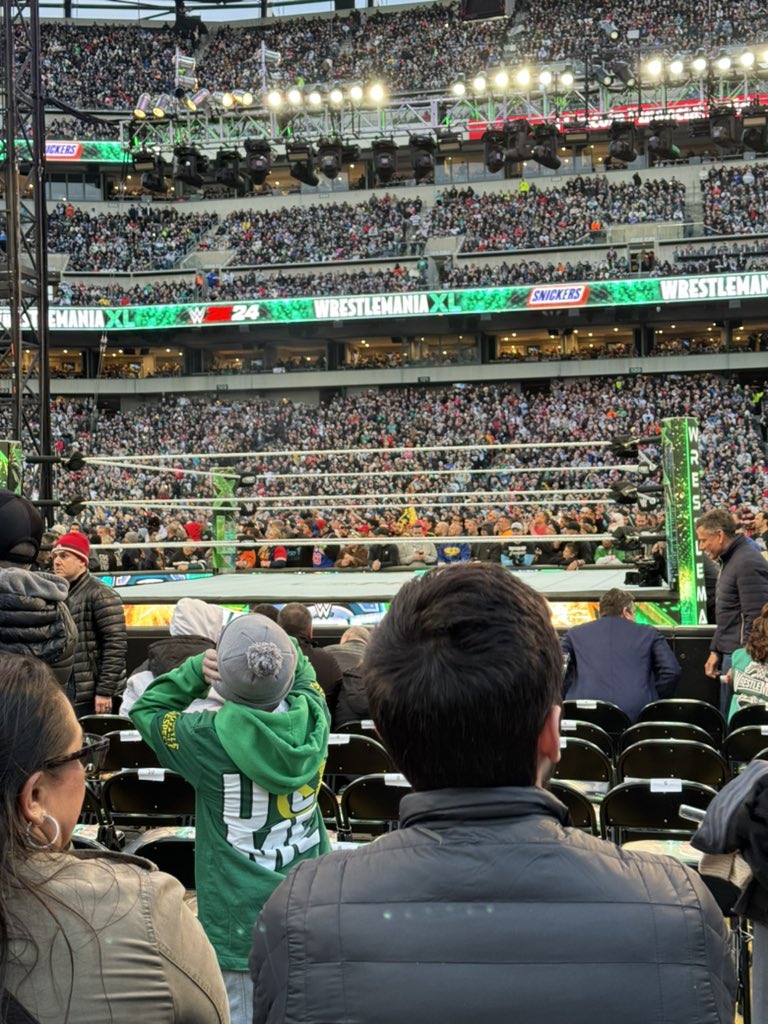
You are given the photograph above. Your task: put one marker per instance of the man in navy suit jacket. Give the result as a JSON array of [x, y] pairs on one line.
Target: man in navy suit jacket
[[616, 659]]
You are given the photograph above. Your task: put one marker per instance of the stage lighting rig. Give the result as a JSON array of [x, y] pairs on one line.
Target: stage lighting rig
[[258, 160], [384, 159], [422, 149]]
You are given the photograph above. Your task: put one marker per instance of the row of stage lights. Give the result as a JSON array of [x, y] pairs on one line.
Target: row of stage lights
[[187, 97]]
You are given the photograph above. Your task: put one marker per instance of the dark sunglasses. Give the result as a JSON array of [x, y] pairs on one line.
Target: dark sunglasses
[[91, 755]]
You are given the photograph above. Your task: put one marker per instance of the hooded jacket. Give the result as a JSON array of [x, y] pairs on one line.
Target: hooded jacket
[[256, 775], [742, 590], [34, 619], [101, 639]]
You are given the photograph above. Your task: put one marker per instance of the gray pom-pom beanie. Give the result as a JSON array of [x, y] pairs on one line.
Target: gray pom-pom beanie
[[257, 662]]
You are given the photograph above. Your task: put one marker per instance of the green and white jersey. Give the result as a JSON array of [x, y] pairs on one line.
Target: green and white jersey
[[256, 775]]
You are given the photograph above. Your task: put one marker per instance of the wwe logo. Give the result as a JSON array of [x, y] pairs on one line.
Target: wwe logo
[[322, 611], [197, 314]]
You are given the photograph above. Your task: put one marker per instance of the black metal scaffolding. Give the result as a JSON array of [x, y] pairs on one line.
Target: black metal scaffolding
[[24, 336]]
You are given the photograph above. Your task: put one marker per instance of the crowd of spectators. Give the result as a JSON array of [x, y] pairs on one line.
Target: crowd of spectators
[[142, 238], [735, 200], [82, 130], [400, 421], [420, 49]]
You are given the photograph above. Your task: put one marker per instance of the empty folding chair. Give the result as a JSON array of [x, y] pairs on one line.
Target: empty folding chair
[[127, 749], [697, 712], [574, 728], [350, 756], [650, 809], [663, 731], [752, 714], [100, 725], [148, 797], [744, 745], [580, 807], [174, 854], [371, 805], [94, 824], [601, 712], [360, 727], [330, 809], [584, 763], [673, 759]]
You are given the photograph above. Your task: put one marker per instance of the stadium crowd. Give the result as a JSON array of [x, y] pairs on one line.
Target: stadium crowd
[[735, 200], [420, 49], [400, 422]]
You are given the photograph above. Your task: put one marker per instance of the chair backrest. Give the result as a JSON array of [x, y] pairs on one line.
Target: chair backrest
[[370, 805], [697, 712], [128, 750], [100, 725], [350, 756], [580, 807], [330, 809], [673, 759], [146, 797], [601, 712], [663, 731], [752, 714], [573, 728], [93, 813], [744, 744], [651, 809], [583, 761], [173, 854], [361, 727]]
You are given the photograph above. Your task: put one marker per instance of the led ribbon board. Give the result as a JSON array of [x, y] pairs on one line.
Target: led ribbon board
[[649, 291]]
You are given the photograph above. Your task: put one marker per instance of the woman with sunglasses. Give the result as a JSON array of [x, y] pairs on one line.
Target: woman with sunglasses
[[86, 937]]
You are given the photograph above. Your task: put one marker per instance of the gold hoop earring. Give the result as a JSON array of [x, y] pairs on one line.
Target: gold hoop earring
[[43, 847]]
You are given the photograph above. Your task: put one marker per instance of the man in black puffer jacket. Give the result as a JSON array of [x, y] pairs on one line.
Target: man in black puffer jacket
[[99, 672], [34, 618], [485, 905]]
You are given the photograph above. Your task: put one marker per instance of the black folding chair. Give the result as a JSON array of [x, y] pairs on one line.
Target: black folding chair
[[752, 714], [100, 725], [350, 756], [580, 807], [330, 809], [370, 805], [128, 750], [744, 745], [650, 809], [583, 762], [572, 728], [696, 712], [148, 797], [174, 854], [360, 727], [663, 731], [601, 712], [94, 816], [673, 759]]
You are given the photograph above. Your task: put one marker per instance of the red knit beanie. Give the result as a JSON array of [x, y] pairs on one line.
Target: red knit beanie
[[75, 544]]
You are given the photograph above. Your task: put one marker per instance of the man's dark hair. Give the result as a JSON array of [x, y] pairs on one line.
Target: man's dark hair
[[614, 602], [264, 609], [296, 620], [461, 674], [717, 519]]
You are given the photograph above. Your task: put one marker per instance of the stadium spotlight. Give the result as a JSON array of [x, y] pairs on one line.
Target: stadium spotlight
[[746, 59], [609, 30], [602, 75], [143, 106], [154, 180], [723, 62], [722, 127], [243, 97], [676, 65], [356, 93], [336, 97], [384, 159], [162, 106], [185, 98], [377, 93], [459, 87], [699, 62], [494, 150], [329, 157], [754, 124], [227, 171], [274, 99], [567, 77], [302, 161], [314, 98], [624, 73], [422, 149], [223, 99], [199, 100], [479, 83], [448, 142], [544, 150], [654, 68], [190, 166], [518, 141], [660, 144], [545, 78], [623, 144], [258, 160]]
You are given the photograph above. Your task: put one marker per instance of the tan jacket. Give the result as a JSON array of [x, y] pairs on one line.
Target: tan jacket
[[113, 943]]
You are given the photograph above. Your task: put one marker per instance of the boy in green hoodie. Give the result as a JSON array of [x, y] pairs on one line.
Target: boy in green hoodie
[[256, 765]]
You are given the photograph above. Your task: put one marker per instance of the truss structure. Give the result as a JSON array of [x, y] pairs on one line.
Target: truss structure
[[23, 269]]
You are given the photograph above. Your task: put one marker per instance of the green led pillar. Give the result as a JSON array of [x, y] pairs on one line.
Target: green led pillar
[[682, 503], [11, 465], [224, 525]]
